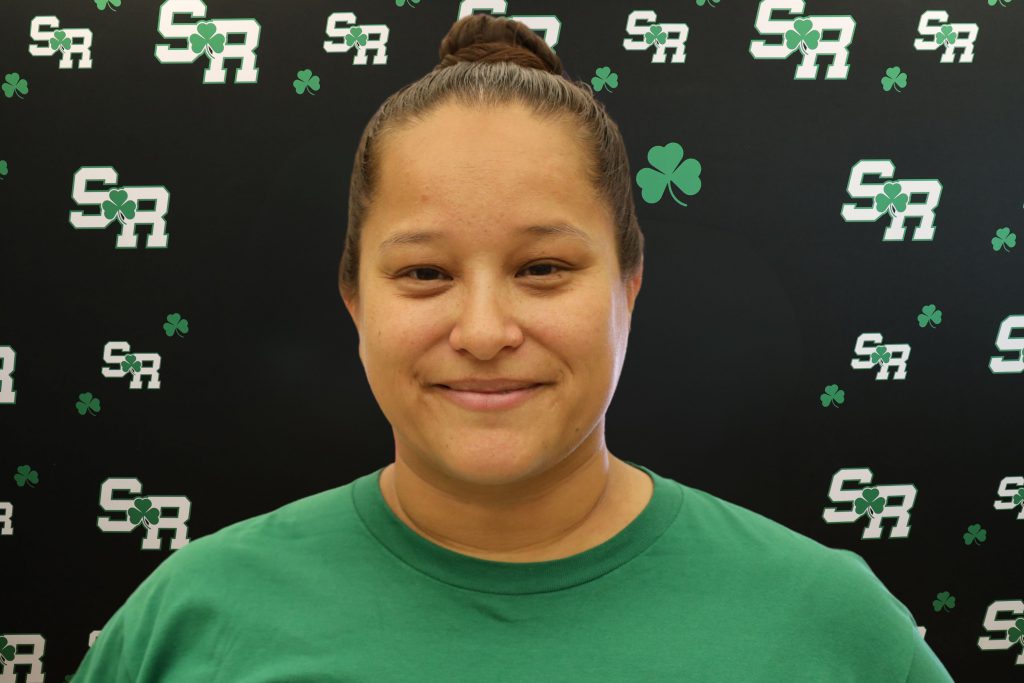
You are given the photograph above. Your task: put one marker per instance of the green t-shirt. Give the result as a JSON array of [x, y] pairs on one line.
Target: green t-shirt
[[335, 588]]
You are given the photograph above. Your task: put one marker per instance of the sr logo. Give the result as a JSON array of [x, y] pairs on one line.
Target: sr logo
[[69, 42], [211, 39]]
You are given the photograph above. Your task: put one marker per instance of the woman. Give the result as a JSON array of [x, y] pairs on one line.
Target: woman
[[491, 267]]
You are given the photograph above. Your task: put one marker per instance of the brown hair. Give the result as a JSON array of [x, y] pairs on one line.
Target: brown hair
[[493, 61]]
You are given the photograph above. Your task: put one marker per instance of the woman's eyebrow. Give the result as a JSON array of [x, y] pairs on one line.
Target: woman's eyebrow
[[546, 230]]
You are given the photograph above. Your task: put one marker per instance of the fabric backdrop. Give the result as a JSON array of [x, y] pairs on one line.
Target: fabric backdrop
[[830, 330]]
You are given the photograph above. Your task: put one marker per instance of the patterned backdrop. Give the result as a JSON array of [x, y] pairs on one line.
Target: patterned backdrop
[[824, 187]]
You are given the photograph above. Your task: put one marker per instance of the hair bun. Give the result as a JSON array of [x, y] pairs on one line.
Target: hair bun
[[486, 38]]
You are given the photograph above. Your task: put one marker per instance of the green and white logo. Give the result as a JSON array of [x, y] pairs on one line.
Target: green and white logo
[[1010, 629], [1007, 343], [946, 36], [870, 352], [1011, 495], [871, 502], [69, 42], [138, 365], [121, 204], [148, 512], [892, 199], [208, 39], [362, 37], [643, 24], [805, 34]]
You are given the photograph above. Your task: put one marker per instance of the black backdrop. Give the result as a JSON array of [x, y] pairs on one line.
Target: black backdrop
[[754, 297]]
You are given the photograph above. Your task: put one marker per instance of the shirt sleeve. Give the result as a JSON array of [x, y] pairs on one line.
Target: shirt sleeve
[[925, 666], [104, 660]]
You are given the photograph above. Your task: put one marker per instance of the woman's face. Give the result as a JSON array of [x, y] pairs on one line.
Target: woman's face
[[480, 301]]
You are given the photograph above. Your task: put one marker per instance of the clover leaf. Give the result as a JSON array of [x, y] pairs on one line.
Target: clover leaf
[[869, 502], [833, 395], [305, 80], [7, 651], [667, 170], [118, 205], [710, 3], [355, 35], [942, 600], [1004, 239], [655, 34], [14, 84], [102, 4], [1016, 632], [60, 41], [945, 34], [880, 355], [412, 3], [893, 76], [1018, 497], [801, 35], [130, 364], [891, 198], [3, 167], [975, 534], [175, 323], [86, 402], [143, 512], [929, 314], [605, 78], [26, 475], [992, 3], [207, 38]]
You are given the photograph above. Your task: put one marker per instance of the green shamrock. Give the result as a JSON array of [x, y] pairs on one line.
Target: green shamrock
[[1018, 497], [60, 41], [7, 651], [143, 512], [207, 38], [175, 323], [655, 34], [26, 474], [130, 364], [306, 79], [891, 198], [801, 35], [3, 167], [975, 534], [15, 84], [880, 355], [1015, 632], [893, 76], [605, 78], [992, 3], [118, 205], [929, 314], [945, 34], [412, 3], [102, 4], [943, 600], [355, 35], [833, 394], [1004, 239], [869, 502], [86, 402], [666, 160], [710, 3]]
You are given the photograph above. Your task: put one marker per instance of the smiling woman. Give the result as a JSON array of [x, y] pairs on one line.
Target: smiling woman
[[505, 542]]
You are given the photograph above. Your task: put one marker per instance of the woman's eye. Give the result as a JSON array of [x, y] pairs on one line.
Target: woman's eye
[[425, 269]]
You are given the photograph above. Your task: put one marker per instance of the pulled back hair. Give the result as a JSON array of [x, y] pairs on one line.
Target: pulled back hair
[[493, 61]]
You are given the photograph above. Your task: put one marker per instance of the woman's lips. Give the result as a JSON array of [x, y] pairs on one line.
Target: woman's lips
[[497, 400]]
